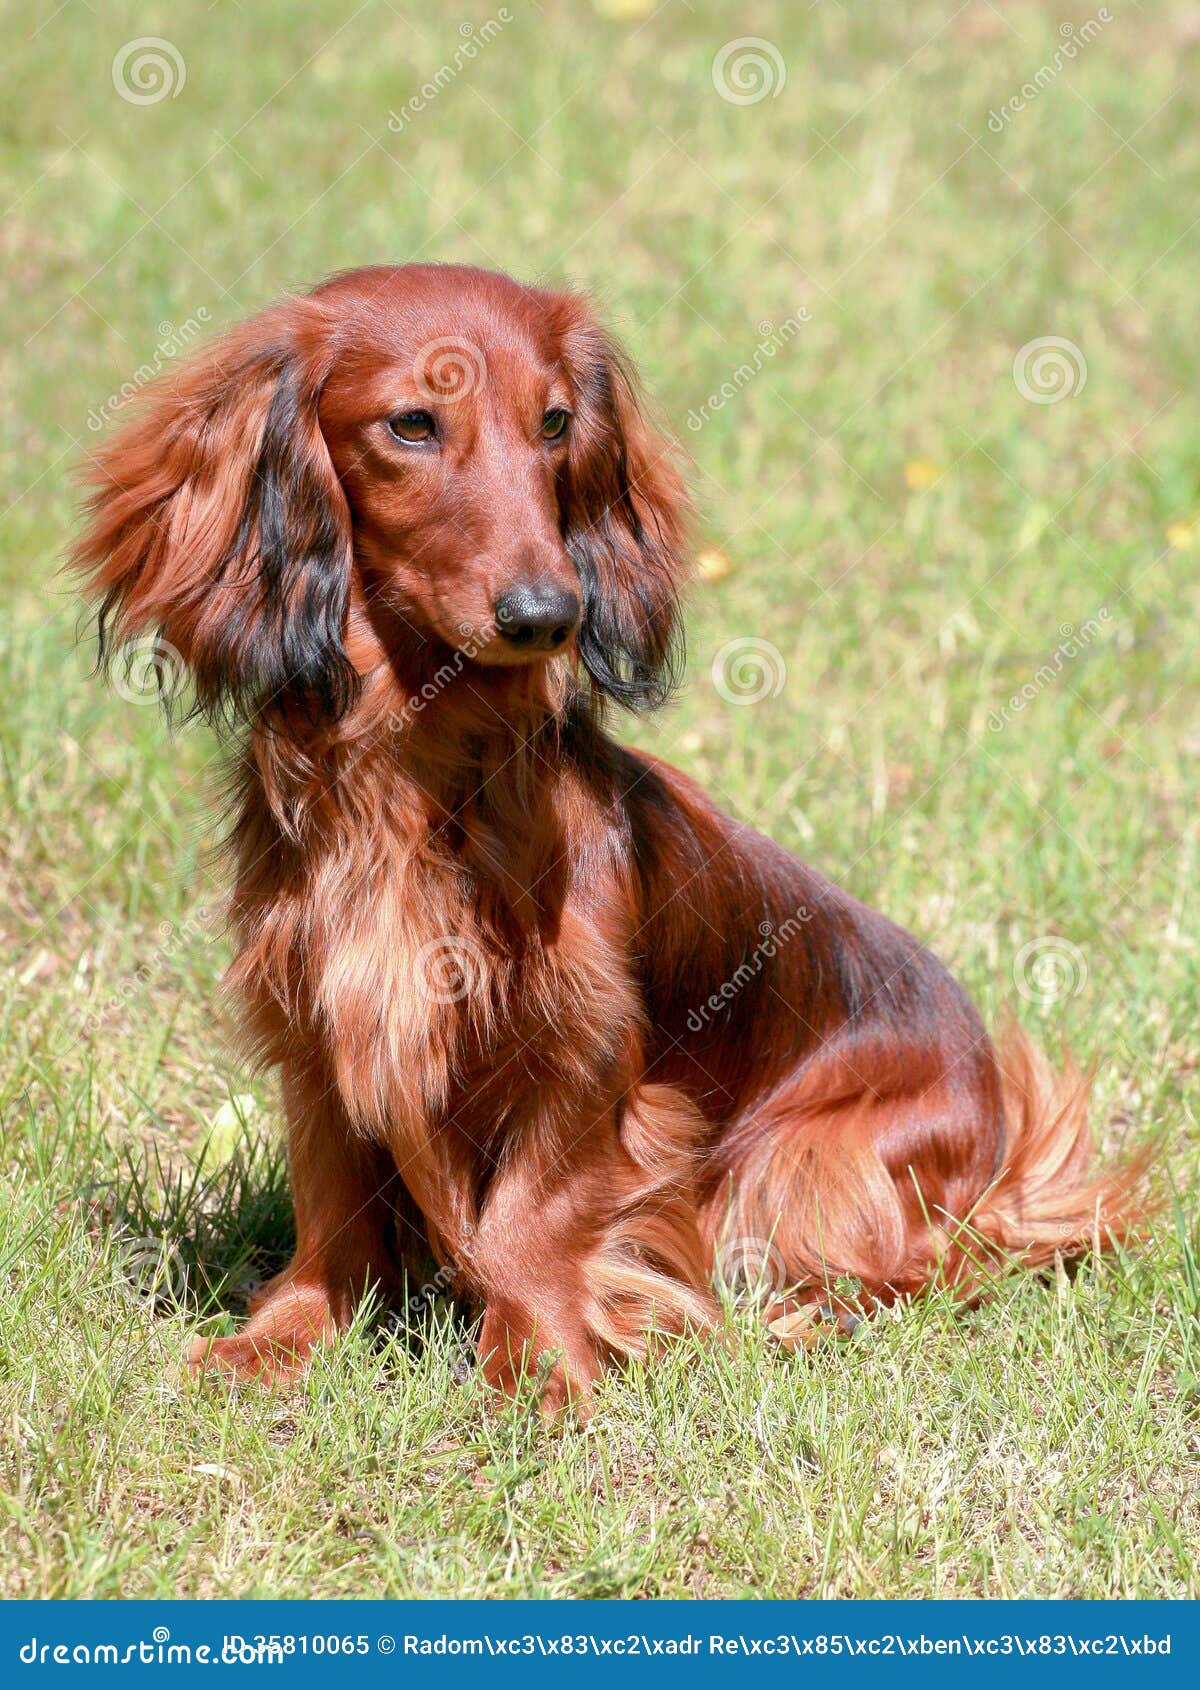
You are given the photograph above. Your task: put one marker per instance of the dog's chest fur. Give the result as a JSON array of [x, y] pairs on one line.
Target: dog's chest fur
[[452, 973]]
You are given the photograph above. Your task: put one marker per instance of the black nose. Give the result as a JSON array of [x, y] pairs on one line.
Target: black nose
[[538, 617]]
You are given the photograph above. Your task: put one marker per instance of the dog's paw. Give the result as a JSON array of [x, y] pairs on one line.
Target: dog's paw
[[278, 1340], [243, 1356]]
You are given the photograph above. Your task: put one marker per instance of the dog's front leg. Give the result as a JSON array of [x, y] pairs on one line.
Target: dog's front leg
[[588, 1247], [343, 1189], [528, 1261]]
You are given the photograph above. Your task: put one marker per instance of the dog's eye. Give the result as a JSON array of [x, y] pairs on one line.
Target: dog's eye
[[412, 426], [554, 424]]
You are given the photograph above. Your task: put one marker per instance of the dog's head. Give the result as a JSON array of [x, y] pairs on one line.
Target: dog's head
[[407, 455]]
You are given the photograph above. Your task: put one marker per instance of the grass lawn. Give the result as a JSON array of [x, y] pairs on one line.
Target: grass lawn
[[862, 258]]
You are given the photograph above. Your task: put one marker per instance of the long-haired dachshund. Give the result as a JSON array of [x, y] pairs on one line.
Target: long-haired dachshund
[[533, 996]]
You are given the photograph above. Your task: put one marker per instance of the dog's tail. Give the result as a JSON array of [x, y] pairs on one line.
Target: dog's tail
[[1050, 1199], [836, 1211]]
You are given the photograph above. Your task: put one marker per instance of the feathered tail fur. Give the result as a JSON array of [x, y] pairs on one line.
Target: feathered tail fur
[[838, 1210]]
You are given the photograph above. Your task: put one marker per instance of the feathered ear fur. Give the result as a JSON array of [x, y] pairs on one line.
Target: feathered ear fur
[[217, 523], [624, 511]]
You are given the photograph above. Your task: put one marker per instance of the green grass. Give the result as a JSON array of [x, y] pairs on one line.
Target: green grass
[[1046, 1444]]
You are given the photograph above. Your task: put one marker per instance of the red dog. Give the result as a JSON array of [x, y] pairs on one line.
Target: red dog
[[530, 991]]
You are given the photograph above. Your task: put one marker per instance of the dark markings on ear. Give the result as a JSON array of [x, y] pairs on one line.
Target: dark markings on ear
[[284, 648], [618, 639], [630, 637]]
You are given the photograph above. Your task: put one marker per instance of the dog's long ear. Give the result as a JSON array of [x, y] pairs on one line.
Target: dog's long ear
[[217, 523], [624, 516]]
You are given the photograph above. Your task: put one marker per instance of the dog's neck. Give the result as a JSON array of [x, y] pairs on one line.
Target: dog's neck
[[463, 763]]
